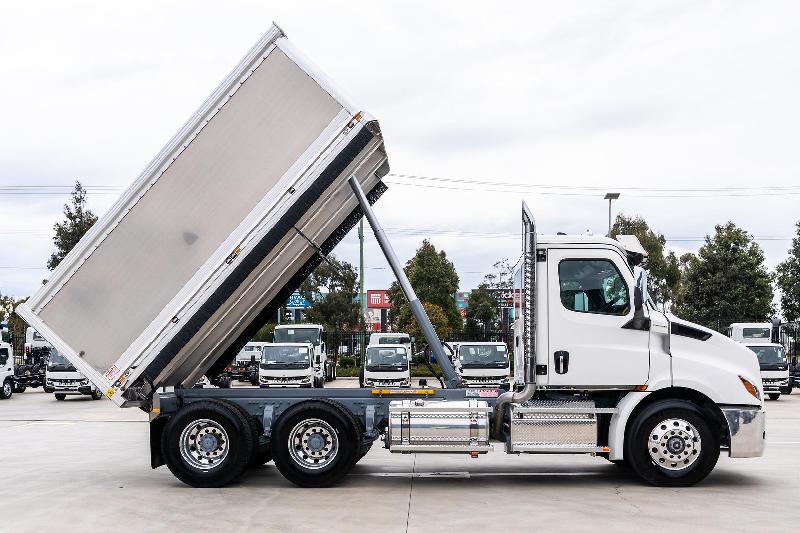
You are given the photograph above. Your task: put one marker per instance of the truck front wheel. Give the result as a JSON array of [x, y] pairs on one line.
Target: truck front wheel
[[314, 444], [207, 444], [774, 395], [671, 444], [6, 390]]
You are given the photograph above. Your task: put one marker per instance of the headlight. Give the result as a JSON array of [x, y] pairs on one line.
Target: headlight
[[752, 389]]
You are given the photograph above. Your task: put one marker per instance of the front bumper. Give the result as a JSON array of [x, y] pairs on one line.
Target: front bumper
[[775, 385], [746, 428]]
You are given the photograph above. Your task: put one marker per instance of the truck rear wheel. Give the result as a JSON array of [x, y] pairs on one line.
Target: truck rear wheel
[[96, 394], [774, 395], [207, 444], [61, 397], [314, 444], [671, 444]]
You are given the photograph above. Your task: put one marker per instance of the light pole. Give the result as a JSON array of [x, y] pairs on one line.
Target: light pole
[[610, 196]]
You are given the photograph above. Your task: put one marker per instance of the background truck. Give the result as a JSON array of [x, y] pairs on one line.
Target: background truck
[[158, 293], [483, 364], [393, 339], [62, 379], [287, 365], [245, 365], [386, 366], [7, 383], [750, 332], [774, 368], [313, 334]]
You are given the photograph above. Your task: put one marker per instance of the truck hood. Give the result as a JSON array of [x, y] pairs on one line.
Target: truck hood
[[712, 363]]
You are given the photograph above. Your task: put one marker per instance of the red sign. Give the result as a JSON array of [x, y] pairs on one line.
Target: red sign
[[378, 300]]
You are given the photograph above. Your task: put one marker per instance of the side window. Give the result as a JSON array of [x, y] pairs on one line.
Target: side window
[[593, 286], [3, 356]]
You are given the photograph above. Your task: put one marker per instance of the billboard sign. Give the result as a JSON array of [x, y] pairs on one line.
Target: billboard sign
[[378, 299], [296, 301]]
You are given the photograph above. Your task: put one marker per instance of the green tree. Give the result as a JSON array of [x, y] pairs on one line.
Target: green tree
[[439, 321], [788, 280], [664, 269], [338, 308], [725, 281], [434, 280], [77, 221], [482, 308]]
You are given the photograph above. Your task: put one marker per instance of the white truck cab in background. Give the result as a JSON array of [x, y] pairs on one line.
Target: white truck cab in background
[[386, 366], [482, 364], [62, 379], [772, 358], [312, 334], [6, 370], [774, 368], [245, 366], [751, 332], [287, 364], [392, 339]]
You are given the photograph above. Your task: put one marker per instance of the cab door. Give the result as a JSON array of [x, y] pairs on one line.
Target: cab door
[[593, 340]]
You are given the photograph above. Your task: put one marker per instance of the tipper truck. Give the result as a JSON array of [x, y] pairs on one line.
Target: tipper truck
[[159, 293]]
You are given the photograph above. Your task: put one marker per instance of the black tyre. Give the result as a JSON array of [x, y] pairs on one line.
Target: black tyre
[[774, 395], [207, 444], [671, 444], [61, 397], [7, 390], [20, 388], [363, 453], [254, 378], [314, 444], [96, 394]]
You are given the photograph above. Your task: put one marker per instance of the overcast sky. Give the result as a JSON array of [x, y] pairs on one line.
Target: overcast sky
[[551, 102]]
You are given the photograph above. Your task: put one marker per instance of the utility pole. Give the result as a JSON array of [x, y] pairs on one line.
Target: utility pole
[[610, 196], [361, 299]]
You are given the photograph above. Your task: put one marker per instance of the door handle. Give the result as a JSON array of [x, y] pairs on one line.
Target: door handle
[[562, 361]]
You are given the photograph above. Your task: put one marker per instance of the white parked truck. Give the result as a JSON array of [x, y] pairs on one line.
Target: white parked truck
[[386, 367], [392, 339], [313, 334], [774, 368], [287, 365], [7, 383], [158, 293], [62, 379], [483, 364], [750, 332], [245, 366]]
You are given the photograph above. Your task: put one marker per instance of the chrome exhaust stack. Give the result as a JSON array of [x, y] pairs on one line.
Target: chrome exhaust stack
[[528, 337]]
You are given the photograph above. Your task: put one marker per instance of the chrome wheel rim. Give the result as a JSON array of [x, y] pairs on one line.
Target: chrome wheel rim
[[7, 388], [204, 444], [674, 444], [313, 444]]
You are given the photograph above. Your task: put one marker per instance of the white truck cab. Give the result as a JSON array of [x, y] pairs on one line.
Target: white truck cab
[[774, 368], [751, 332], [246, 363], [482, 364], [64, 380], [386, 366], [6, 370], [312, 334], [287, 364], [392, 339]]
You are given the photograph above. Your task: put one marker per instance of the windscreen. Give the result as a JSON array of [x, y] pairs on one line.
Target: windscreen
[[298, 335], [756, 333], [278, 357], [769, 355], [58, 363], [483, 356], [394, 340], [387, 359]]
